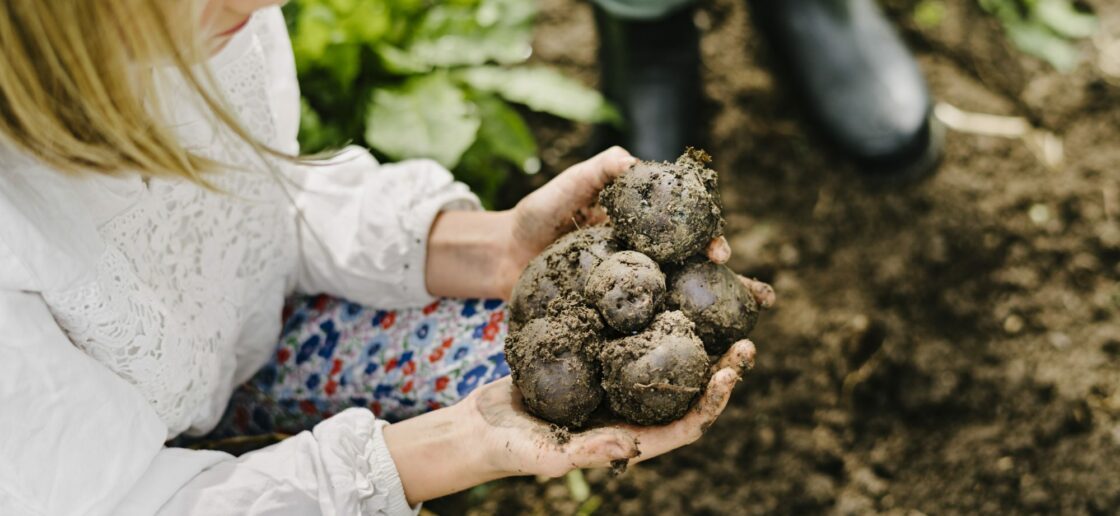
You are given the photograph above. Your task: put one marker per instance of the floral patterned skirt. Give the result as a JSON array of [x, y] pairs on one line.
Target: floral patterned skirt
[[334, 355]]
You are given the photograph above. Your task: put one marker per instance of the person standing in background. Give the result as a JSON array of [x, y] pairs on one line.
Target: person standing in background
[[858, 83]]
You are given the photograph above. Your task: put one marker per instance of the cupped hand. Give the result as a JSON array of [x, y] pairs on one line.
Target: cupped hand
[[570, 201], [521, 444]]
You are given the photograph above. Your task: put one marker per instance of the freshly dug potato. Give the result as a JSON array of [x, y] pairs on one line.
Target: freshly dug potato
[[553, 363], [716, 300], [667, 211], [561, 269], [652, 378], [627, 288]]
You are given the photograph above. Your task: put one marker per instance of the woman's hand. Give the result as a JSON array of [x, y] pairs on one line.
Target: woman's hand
[[521, 444], [489, 435], [569, 201]]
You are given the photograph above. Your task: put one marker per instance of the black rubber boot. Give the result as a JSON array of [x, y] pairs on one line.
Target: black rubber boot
[[651, 71], [857, 81]]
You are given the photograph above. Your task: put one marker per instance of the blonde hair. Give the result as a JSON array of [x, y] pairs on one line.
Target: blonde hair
[[72, 93]]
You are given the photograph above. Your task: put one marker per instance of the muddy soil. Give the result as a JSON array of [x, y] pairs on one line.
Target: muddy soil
[[950, 347]]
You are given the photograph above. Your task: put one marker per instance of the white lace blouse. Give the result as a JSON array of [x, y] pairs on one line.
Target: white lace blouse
[[130, 309]]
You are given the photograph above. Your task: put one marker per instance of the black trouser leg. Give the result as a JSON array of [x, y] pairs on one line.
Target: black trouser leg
[[651, 71], [856, 80]]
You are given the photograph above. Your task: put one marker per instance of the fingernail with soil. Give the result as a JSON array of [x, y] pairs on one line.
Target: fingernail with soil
[[763, 293], [624, 450], [719, 251], [748, 357], [721, 384]]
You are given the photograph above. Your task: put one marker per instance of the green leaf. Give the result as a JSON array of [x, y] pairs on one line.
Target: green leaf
[[542, 89], [1044, 28], [367, 21], [484, 172], [1061, 17], [399, 62], [314, 135], [383, 71], [506, 134], [577, 485], [1039, 41], [503, 46], [426, 117], [467, 33], [315, 30], [344, 62], [1004, 10], [589, 506], [929, 13]]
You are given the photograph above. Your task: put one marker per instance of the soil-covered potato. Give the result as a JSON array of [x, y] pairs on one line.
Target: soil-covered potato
[[627, 288], [667, 211], [561, 269], [716, 301], [652, 378], [553, 363]]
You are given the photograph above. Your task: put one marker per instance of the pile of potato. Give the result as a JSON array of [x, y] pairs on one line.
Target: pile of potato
[[630, 313]]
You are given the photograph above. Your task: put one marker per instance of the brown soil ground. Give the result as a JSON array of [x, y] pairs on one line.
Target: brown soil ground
[[949, 347]]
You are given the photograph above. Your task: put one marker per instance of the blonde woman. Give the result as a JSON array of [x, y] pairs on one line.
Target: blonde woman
[[153, 219]]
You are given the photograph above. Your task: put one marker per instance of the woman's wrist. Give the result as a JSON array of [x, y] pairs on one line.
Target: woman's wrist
[[442, 452], [469, 255]]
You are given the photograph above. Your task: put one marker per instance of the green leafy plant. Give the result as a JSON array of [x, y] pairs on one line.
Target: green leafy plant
[[425, 79], [1046, 29], [929, 13]]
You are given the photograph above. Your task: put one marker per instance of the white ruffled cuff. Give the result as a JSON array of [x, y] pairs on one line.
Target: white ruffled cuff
[[378, 489], [417, 224], [384, 472]]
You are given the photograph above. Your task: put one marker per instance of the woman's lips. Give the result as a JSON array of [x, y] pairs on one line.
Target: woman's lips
[[233, 30]]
